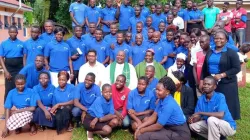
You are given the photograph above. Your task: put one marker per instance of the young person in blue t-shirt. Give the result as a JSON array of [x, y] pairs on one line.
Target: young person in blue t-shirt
[[24, 101], [167, 121], [101, 118], [141, 103], [58, 57], [48, 36], [212, 118], [44, 92], [62, 103]]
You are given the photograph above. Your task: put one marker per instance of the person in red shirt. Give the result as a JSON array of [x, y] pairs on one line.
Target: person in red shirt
[[226, 16], [120, 97], [239, 23]]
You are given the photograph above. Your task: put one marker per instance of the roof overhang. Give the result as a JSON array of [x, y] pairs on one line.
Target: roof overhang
[[12, 6]]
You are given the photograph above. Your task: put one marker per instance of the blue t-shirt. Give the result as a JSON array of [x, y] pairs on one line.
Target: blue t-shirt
[[31, 74], [32, 48], [92, 14], [45, 95], [20, 100], [62, 96], [183, 13], [194, 15], [217, 103], [144, 35], [145, 12], [152, 85], [78, 10], [214, 61], [160, 51], [181, 49], [101, 107], [133, 21], [138, 53], [107, 14], [123, 47], [110, 39], [141, 103], [163, 36], [169, 112], [126, 12], [170, 49], [102, 50], [47, 38], [75, 43], [88, 38], [11, 49], [86, 96], [157, 19], [59, 54]]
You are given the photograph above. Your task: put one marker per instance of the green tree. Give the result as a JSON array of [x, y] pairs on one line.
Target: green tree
[[62, 15], [41, 11]]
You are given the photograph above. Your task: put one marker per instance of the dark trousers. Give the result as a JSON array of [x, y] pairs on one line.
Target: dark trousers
[[179, 132], [9, 85], [75, 79]]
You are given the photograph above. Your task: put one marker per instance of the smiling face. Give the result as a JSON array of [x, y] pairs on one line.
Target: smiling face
[[113, 29], [89, 81], [120, 58], [150, 72], [128, 37], [156, 36], [179, 62], [150, 33], [91, 57], [149, 57], [119, 38], [158, 9], [204, 43], [120, 82], [162, 27], [170, 19], [193, 38], [137, 11], [92, 28], [152, 8], [161, 92], [138, 39], [166, 8], [139, 27], [220, 39], [170, 35], [78, 32], [59, 36], [20, 84], [149, 21], [49, 27], [13, 33], [189, 4], [98, 35], [107, 93]]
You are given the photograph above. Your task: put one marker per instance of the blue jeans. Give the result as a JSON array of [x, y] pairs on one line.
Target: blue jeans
[[76, 112], [239, 36]]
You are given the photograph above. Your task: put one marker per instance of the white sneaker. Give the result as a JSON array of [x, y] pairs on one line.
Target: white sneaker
[[106, 138]]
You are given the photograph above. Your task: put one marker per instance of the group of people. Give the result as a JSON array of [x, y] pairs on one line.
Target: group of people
[[162, 74]]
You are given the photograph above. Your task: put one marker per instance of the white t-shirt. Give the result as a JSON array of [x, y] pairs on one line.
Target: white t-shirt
[[178, 21]]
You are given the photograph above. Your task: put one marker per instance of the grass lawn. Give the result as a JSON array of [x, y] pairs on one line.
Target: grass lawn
[[243, 125]]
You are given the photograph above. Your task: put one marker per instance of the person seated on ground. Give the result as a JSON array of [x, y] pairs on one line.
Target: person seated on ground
[[149, 60], [179, 64], [167, 121], [121, 67], [120, 98], [141, 103], [184, 95], [84, 95], [24, 101], [212, 118], [150, 74], [32, 71], [101, 118], [138, 50], [93, 66], [62, 103], [44, 92]]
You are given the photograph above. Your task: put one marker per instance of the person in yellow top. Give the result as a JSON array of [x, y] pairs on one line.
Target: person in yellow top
[[184, 95]]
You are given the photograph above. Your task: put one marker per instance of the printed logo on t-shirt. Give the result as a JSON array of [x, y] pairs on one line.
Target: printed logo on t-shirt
[[20, 46], [125, 50], [65, 48], [102, 48], [92, 95], [50, 94], [39, 47], [68, 95], [123, 98], [147, 101], [27, 99], [160, 48]]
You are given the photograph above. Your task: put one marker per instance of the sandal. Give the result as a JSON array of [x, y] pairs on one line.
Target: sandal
[[41, 128], [70, 129], [33, 130]]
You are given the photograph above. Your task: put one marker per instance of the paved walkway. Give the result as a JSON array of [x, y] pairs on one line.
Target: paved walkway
[[46, 135]]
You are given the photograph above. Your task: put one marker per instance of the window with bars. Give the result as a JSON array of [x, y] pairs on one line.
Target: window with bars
[[19, 25]]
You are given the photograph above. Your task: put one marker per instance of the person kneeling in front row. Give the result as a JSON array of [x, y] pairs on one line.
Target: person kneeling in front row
[[212, 118]]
